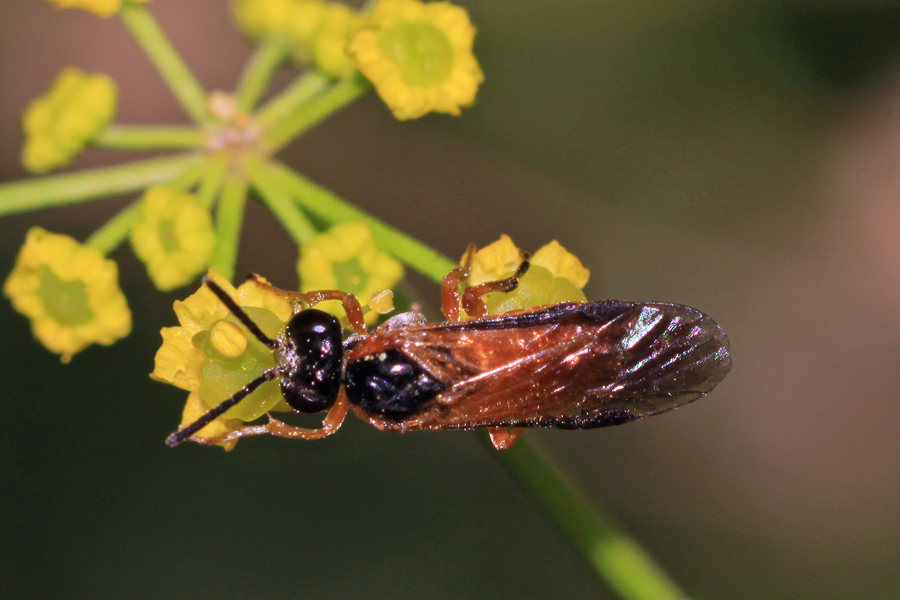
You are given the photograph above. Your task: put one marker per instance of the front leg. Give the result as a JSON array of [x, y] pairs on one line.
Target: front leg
[[330, 424]]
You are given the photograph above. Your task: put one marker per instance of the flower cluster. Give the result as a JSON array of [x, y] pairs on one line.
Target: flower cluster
[[69, 291], [101, 8], [60, 123], [174, 237], [555, 275], [419, 57], [316, 31]]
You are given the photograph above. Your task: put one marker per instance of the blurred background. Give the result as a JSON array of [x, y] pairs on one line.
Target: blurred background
[[738, 156]]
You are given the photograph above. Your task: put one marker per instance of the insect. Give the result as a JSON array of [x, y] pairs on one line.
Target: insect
[[575, 365]]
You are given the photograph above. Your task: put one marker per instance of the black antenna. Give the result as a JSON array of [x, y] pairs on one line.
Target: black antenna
[[186, 432], [239, 313]]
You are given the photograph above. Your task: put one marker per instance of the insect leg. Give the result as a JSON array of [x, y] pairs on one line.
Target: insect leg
[[333, 420], [450, 294], [330, 424], [502, 438], [472, 299], [350, 303], [294, 297]]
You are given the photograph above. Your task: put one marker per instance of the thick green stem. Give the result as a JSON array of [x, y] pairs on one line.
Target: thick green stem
[[145, 29], [307, 86], [58, 190], [256, 76], [229, 218], [343, 93], [331, 208], [279, 201], [615, 557], [123, 137]]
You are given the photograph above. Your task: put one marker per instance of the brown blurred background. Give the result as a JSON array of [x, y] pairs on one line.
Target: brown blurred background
[[738, 156]]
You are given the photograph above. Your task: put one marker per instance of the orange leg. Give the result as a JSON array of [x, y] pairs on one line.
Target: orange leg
[[330, 424], [472, 299], [450, 286], [502, 438], [349, 301], [450, 294]]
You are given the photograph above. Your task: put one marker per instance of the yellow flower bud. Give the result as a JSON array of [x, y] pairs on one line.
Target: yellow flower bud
[[69, 291], [174, 237], [330, 45], [59, 124]]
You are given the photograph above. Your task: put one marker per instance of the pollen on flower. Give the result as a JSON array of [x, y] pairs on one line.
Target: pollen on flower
[[228, 339], [174, 237], [59, 124], [69, 291], [347, 258], [101, 8], [203, 353], [382, 302], [555, 275], [418, 56]]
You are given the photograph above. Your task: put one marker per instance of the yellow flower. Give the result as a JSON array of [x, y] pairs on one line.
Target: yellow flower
[[330, 43], [555, 275], [174, 237], [346, 258], [69, 291], [264, 18], [195, 408], [419, 57], [305, 25], [211, 355], [60, 123], [101, 8]]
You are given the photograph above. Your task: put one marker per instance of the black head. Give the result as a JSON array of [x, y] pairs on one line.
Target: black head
[[310, 360]]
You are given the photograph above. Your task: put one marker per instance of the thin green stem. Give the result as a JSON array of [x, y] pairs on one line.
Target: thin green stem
[[212, 178], [279, 200], [159, 49], [107, 238], [302, 90], [325, 204], [258, 72], [124, 137], [113, 233], [615, 557], [311, 114], [229, 218], [58, 190]]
